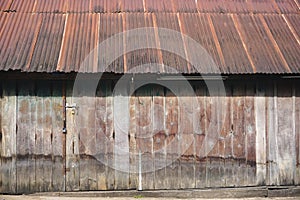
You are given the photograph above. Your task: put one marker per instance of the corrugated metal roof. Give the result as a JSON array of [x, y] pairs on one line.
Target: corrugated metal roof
[[241, 36]]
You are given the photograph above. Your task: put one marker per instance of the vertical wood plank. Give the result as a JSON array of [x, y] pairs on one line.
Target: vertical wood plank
[[144, 137], [172, 143], [159, 137], [110, 170], [58, 171], [260, 117], [133, 182], [297, 130], [272, 147], [239, 134], [250, 132], [121, 139], [8, 143], [200, 162], [285, 134], [24, 139], [101, 138], [72, 140], [186, 139], [87, 136]]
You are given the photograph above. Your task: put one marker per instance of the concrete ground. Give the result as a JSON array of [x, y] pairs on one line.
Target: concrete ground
[[247, 193], [23, 197]]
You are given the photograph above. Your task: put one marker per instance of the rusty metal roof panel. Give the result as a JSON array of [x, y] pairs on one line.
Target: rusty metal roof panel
[[222, 6], [5, 4], [286, 41], [259, 46], [141, 60], [22, 6], [264, 6], [17, 44], [159, 6], [48, 44], [106, 6], [287, 6], [112, 24], [80, 38], [78, 6], [53, 6], [170, 43], [235, 57], [294, 20], [133, 6], [185, 6], [197, 27]]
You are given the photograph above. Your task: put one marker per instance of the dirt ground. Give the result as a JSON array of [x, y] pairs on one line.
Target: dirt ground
[[23, 197]]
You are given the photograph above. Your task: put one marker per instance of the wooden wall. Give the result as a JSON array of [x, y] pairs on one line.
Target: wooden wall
[[255, 125]]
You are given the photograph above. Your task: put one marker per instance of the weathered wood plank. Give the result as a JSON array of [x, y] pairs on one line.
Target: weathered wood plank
[[159, 137], [24, 142], [172, 180], [250, 132], [285, 134], [121, 139], [144, 136], [110, 170], [272, 148], [200, 162], [72, 140], [101, 138], [8, 130], [186, 139], [297, 130], [239, 153], [58, 171], [260, 121], [133, 182]]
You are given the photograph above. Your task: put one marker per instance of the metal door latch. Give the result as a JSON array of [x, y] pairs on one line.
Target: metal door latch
[[72, 106]]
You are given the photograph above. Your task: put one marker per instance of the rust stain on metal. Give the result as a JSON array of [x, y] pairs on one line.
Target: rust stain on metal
[[215, 37], [291, 28], [160, 58], [63, 46], [240, 32], [285, 64]]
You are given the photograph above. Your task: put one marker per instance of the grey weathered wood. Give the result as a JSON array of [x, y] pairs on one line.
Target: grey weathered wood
[[250, 134], [58, 137], [285, 135], [8, 130], [260, 117], [186, 139], [72, 146], [24, 141], [200, 162], [172, 180], [101, 137], [297, 130], [109, 132]]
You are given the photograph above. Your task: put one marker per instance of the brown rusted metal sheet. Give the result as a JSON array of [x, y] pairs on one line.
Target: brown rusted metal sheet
[[17, 44], [79, 40], [133, 6], [5, 4], [259, 46], [185, 6], [171, 44], [53, 6], [22, 6], [222, 6], [204, 37], [48, 44], [78, 6], [287, 6], [112, 24], [232, 48], [285, 40], [264, 6], [294, 21], [141, 60], [159, 6]]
